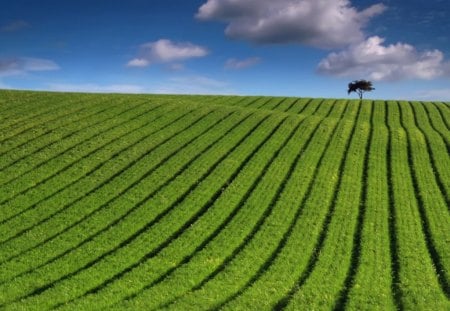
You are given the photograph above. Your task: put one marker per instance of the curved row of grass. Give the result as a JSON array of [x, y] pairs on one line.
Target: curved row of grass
[[132, 202]]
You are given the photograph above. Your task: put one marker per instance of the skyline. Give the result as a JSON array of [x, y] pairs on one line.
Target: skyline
[[304, 48]]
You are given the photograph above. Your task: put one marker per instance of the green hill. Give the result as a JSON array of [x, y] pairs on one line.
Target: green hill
[[223, 202]]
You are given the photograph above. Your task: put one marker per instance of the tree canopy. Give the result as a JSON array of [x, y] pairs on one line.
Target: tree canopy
[[359, 87]]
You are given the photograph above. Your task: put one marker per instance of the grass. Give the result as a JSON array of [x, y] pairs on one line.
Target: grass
[[142, 202]]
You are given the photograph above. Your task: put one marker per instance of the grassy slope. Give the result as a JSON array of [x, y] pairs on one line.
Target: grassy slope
[[206, 202]]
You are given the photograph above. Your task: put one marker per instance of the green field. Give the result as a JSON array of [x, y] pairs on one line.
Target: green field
[[142, 202]]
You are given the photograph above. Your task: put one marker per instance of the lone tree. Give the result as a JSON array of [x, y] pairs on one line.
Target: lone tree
[[360, 86]]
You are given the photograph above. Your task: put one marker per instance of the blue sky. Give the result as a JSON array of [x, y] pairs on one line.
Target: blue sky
[[308, 48]]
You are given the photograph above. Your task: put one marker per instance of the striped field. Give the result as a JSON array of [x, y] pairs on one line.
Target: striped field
[[148, 202]]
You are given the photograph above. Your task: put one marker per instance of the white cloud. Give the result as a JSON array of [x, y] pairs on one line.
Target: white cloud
[[138, 62], [96, 88], [22, 65], [318, 23], [193, 85], [373, 60], [14, 26], [237, 64], [166, 51]]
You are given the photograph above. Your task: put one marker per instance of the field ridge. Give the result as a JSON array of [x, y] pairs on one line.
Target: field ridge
[[208, 202]]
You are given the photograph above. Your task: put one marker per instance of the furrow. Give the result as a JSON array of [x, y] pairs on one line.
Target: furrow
[[437, 122], [39, 119], [300, 105], [18, 102], [393, 217], [158, 184], [288, 103], [437, 149], [371, 284], [430, 200], [355, 262], [319, 263], [266, 101], [170, 245], [444, 112], [54, 185], [279, 103], [55, 130], [97, 191], [296, 190], [207, 286], [273, 280], [157, 202], [37, 191], [26, 112], [415, 264], [18, 171]]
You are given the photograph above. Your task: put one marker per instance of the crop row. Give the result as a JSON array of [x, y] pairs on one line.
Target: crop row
[[262, 208], [129, 223], [415, 264], [115, 167], [151, 202]]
